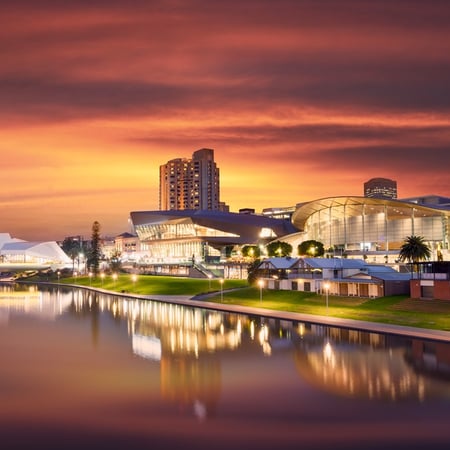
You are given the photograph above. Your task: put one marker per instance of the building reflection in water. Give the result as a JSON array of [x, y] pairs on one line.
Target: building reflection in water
[[30, 300], [188, 344], [370, 365], [343, 361]]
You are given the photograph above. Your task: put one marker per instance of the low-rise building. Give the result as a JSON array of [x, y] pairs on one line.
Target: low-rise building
[[128, 246], [337, 276], [431, 280]]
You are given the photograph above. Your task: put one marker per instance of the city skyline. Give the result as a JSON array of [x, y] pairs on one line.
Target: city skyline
[[299, 100]]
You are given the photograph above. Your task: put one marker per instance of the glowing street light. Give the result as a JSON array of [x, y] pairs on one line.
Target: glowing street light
[[134, 279], [261, 285], [221, 289], [209, 281], [326, 286], [102, 276], [90, 278], [114, 277], [80, 261]]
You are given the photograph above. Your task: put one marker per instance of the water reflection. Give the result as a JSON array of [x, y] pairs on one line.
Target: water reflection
[[370, 365], [210, 365], [32, 301], [183, 341]]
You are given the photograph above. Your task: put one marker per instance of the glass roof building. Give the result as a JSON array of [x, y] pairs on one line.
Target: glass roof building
[[371, 226]]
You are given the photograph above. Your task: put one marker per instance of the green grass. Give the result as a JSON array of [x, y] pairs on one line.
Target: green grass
[[400, 310], [158, 285], [393, 310]]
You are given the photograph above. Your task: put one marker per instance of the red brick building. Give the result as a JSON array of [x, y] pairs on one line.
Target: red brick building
[[431, 280]]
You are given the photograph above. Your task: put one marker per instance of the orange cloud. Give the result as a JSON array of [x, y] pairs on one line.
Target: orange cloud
[[299, 101]]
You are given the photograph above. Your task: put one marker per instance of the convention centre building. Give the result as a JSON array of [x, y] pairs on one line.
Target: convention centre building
[[348, 226], [373, 228]]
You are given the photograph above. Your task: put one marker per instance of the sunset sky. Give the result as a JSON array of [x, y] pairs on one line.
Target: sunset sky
[[300, 99]]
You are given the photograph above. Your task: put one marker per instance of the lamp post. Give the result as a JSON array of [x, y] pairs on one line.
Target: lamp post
[[80, 261], [209, 281], [221, 289], [134, 279], [90, 278], [326, 286], [102, 276], [261, 285], [114, 277]]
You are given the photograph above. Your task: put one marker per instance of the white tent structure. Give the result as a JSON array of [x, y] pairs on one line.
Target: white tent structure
[[19, 253]]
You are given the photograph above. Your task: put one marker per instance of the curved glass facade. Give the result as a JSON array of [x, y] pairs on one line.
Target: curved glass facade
[[359, 224]]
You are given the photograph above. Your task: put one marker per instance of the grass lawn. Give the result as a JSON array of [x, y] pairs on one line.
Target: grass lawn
[[401, 310], [155, 284]]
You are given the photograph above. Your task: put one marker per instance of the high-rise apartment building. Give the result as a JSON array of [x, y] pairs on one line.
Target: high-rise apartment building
[[380, 188], [190, 183]]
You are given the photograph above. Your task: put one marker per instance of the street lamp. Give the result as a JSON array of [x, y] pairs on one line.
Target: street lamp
[[90, 278], [80, 261], [134, 279], [326, 286], [102, 276], [209, 281], [221, 289], [261, 285], [114, 277]]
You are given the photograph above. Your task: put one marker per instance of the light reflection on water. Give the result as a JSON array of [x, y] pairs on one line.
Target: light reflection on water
[[105, 369]]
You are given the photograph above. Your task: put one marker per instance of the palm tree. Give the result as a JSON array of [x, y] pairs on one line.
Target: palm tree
[[414, 249]]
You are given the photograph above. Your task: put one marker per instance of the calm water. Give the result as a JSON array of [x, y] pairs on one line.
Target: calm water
[[83, 370]]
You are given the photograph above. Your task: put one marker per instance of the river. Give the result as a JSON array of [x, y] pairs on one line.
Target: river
[[82, 370]]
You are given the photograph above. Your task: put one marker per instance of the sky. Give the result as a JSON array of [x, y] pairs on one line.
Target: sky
[[300, 100]]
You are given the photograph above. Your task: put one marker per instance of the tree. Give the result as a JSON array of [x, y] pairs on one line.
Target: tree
[[94, 257], [251, 251], [115, 264], [311, 248], [279, 248], [252, 271], [74, 248], [414, 249]]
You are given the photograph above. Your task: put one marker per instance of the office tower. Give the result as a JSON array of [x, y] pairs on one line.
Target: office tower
[[190, 183], [380, 188]]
